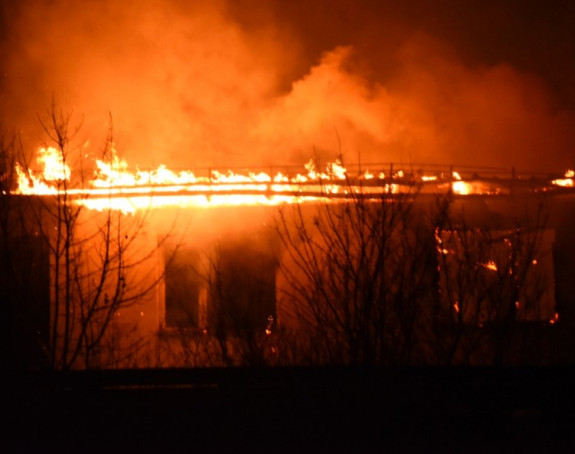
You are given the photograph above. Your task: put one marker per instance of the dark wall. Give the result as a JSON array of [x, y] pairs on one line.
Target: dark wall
[[24, 290]]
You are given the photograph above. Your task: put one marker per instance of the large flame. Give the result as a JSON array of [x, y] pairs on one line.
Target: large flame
[[115, 186]]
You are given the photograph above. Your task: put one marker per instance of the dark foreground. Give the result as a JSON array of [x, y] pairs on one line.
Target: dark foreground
[[293, 410]]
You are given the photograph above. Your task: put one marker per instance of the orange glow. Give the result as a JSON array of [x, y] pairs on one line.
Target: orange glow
[[55, 170], [491, 265], [566, 182], [115, 186], [269, 325], [460, 187]]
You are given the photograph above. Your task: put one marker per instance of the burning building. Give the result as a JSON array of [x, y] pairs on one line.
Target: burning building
[[332, 265]]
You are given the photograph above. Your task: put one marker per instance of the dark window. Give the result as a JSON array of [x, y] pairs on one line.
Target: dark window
[[183, 284], [242, 295], [492, 274]]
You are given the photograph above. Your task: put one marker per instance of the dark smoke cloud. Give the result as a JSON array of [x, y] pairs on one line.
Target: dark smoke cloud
[[267, 83]]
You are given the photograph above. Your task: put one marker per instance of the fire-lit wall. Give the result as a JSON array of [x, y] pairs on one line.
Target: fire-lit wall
[[197, 280], [199, 239], [24, 285], [216, 270]]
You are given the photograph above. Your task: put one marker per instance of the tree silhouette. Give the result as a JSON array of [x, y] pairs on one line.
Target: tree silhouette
[[95, 262]]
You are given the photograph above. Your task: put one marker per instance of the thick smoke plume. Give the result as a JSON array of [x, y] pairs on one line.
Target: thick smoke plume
[[213, 84]]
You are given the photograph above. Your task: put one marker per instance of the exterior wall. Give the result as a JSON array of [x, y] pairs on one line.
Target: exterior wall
[[213, 249], [141, 334], [206, 234], [24, 286]]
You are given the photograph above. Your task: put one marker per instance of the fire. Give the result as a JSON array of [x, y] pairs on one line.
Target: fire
[[131, 204], [458, 186], [491, 265], [55, 170], [566, 182], [115, 186], [461, 187]]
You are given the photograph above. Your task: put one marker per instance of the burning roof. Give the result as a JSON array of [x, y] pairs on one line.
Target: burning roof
[[115, 186]]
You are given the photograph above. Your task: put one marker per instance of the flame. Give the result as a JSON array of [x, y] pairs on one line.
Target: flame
[[269, 325], [491, 265], [460, 187], [55, 170], [566, 182], [115, 186]]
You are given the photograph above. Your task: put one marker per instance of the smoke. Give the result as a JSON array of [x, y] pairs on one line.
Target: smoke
[[212, 84], [433, 109]]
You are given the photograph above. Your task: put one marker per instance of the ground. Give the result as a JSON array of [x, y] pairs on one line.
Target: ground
[[294, 410]]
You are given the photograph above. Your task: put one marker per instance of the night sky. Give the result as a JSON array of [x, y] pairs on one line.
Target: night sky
[[271, 82]]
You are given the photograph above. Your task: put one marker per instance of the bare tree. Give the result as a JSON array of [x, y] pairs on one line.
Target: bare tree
[[96, 264], [412, 279], [356, 276], [22, 270], [490, 282]]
